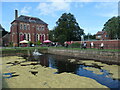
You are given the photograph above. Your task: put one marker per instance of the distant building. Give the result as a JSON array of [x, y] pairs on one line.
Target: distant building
[[3, 34], [28, 28], [102, 35], [6, 39], [2, 31]]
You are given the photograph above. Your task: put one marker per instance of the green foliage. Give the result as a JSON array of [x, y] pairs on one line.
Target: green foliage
[[75, 45], [38, 42], [52, 36], [10, 44], [89, 36], [30, 43], [112, 26], [67, 29]]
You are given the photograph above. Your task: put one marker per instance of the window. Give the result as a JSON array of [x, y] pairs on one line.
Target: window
[[28, 27], [99, 36], [42, 28], [40, 37], [24, 36], [25, 27], [43, 37], [37, 38], [37, 28], [21, 26], [28, 37], [106, 35]]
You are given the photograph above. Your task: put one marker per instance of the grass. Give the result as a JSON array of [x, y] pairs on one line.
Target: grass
[[22, 48], [92, 49], [32, 48]]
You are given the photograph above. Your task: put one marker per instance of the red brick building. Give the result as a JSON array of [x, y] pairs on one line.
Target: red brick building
[[28, 28], [102, 35]]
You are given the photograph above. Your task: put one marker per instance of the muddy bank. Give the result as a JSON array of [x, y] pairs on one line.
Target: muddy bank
[[31, 75]]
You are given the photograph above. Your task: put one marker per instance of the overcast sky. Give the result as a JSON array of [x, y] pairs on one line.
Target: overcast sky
[[90, 14]]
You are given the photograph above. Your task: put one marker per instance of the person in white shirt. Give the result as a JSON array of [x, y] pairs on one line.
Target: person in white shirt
[[91, 45], [101, 46]]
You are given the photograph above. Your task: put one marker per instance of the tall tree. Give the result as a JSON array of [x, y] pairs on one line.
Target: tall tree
[[112, 26], [89, 36], [51, 35], [67, 28]]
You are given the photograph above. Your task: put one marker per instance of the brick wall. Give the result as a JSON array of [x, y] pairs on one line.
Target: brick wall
[[108, 44], [103, 56]]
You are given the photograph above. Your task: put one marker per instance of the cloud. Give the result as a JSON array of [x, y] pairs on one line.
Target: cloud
[[25, 10], [59, 0], [107, 9], [49, 8], [81, 4]]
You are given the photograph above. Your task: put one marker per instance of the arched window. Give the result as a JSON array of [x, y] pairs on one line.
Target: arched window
[[40, 37], [28, 36], [37, 37], [21, 37], [43, 37], [25, 36]]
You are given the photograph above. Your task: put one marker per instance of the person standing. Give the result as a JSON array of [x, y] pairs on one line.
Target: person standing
[[84, 45], [101, 46], [91, 45]]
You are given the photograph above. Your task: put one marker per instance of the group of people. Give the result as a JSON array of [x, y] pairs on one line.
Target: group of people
[[92, 45]]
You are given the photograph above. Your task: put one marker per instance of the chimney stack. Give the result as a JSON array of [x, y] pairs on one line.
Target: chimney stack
[[16, 14]]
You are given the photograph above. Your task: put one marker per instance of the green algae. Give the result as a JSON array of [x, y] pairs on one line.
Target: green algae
[[45, 78]]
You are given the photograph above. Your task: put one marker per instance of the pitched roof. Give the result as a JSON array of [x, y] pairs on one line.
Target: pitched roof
[[29, 19], [100, 32], [1, 28]]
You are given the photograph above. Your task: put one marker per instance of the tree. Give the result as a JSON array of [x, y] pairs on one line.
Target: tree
[[89, 36], [51, 35], [112, 27], [67, 29]]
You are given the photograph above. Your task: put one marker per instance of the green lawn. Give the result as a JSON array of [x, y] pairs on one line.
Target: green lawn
[[32, 48], [22, 48], [111, 50]]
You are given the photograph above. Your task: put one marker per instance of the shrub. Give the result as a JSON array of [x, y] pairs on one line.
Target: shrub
[[10, 44], [38, 42], [75, 45]]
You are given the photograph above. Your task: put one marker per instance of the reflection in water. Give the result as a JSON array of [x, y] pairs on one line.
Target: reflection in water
[[99, 78], [62, 65]]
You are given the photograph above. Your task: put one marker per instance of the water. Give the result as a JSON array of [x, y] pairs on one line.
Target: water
[[62, 64]]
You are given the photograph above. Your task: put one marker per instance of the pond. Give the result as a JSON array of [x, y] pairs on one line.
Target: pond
[[63, 64]]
